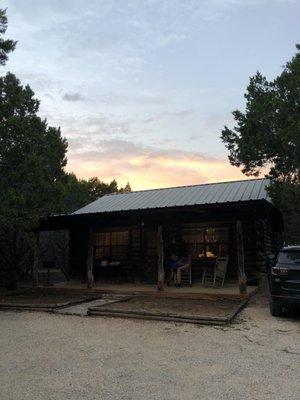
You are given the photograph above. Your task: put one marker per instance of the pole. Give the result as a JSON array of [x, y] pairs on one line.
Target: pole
[[35, 270], [160, 262], [90, 260], [240, 257]]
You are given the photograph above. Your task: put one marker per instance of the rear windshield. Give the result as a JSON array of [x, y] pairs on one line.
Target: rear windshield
[[289, 256]]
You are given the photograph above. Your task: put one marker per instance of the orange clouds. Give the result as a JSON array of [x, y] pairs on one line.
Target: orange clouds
[[148, 167]]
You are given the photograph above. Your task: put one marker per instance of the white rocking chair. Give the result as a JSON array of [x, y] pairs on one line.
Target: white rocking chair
[[217, 276]]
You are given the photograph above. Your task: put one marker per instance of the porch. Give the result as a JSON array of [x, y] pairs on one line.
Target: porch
[[229, 291], [132, 256]]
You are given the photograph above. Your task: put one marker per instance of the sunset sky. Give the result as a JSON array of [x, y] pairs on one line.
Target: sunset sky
[[142, 89]]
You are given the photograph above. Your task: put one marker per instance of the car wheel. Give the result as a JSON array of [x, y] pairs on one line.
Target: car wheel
[[275, 309]]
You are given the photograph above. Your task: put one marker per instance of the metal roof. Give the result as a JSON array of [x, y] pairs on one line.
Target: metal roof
[[207, 193]]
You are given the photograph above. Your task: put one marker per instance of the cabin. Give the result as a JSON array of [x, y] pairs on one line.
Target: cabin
[[126, 240]]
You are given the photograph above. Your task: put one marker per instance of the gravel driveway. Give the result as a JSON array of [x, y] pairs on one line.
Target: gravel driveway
[[46, 356]]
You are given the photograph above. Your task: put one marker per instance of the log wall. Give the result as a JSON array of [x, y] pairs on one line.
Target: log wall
[[78, 250]]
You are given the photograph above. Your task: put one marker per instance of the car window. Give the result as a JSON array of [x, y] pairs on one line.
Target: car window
[[289, 256]]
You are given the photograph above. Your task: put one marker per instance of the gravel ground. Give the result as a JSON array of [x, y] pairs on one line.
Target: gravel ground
[[47, 356]]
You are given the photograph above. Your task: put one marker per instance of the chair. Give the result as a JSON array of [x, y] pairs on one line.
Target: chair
[[216, 276], [186, 273]]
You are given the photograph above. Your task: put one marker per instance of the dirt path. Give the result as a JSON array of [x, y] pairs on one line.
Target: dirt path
[[46, 356]]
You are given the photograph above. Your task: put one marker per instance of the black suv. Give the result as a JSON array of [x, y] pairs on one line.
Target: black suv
[[284, 280]]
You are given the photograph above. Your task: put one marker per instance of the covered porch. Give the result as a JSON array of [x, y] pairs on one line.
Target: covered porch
[[229, 291], [129, 252]]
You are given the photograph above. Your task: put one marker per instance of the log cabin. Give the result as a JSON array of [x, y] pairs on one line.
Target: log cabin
[[132, 233]]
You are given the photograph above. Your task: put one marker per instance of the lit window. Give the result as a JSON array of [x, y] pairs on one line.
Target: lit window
[[112, 246], [206, 242]]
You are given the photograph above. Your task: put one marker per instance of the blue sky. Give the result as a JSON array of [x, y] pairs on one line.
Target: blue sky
[[142, 89]]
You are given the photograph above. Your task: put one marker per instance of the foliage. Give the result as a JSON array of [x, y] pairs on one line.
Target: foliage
[[6, 45], [267, 137], [286, 196], [32, 157], [80, 192], [32, 160], [15, 254]]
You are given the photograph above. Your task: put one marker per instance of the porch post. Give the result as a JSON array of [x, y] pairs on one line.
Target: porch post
[[90, 260], [35, 269], [240, 258], [141, 249], [160, 263]]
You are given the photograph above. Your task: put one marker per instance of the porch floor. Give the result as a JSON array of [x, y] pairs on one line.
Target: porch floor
[[230, 290]]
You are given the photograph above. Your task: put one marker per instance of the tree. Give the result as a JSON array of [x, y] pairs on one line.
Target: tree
[[80, 192], [6, 45], [267, 137], [126, 188], [32, 161], [32, 156]]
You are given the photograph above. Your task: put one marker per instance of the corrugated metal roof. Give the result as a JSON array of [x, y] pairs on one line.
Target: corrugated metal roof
[[208, 193]]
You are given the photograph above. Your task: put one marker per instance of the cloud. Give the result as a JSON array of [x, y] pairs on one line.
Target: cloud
[[196, 137], [174, 114], [147, 166], [117, 35], [135, 98], [148, 72], [90, 128], [72, 97]]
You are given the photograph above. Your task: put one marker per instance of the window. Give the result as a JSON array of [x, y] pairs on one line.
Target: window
[[216, 242], [206, 242], [194, 240], [112, 245], [289, 257]]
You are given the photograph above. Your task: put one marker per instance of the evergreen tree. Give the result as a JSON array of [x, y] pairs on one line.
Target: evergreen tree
[[6, 45], [267, 137], [32, 157]]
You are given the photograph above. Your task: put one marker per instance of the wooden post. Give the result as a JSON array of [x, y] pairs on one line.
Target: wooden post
[[141, 255], [240, 257], [35, 269], [90, 260], [67, 255], [160, 262]]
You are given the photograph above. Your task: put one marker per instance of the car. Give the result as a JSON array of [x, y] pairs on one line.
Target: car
[[284, 280]]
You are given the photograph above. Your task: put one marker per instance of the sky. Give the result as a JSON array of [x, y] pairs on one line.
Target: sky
[[142, 88]]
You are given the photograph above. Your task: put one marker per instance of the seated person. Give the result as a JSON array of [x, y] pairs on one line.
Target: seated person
[[179, 261], [181, 265]]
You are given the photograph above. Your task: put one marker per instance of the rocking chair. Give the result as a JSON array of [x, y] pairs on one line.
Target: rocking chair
[[216, 277]]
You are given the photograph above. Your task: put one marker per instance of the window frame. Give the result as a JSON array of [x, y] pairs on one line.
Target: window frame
[[204, 243], [112, 247]]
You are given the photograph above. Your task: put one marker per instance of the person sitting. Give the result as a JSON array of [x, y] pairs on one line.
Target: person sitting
[[178, 262], [181, 265]]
